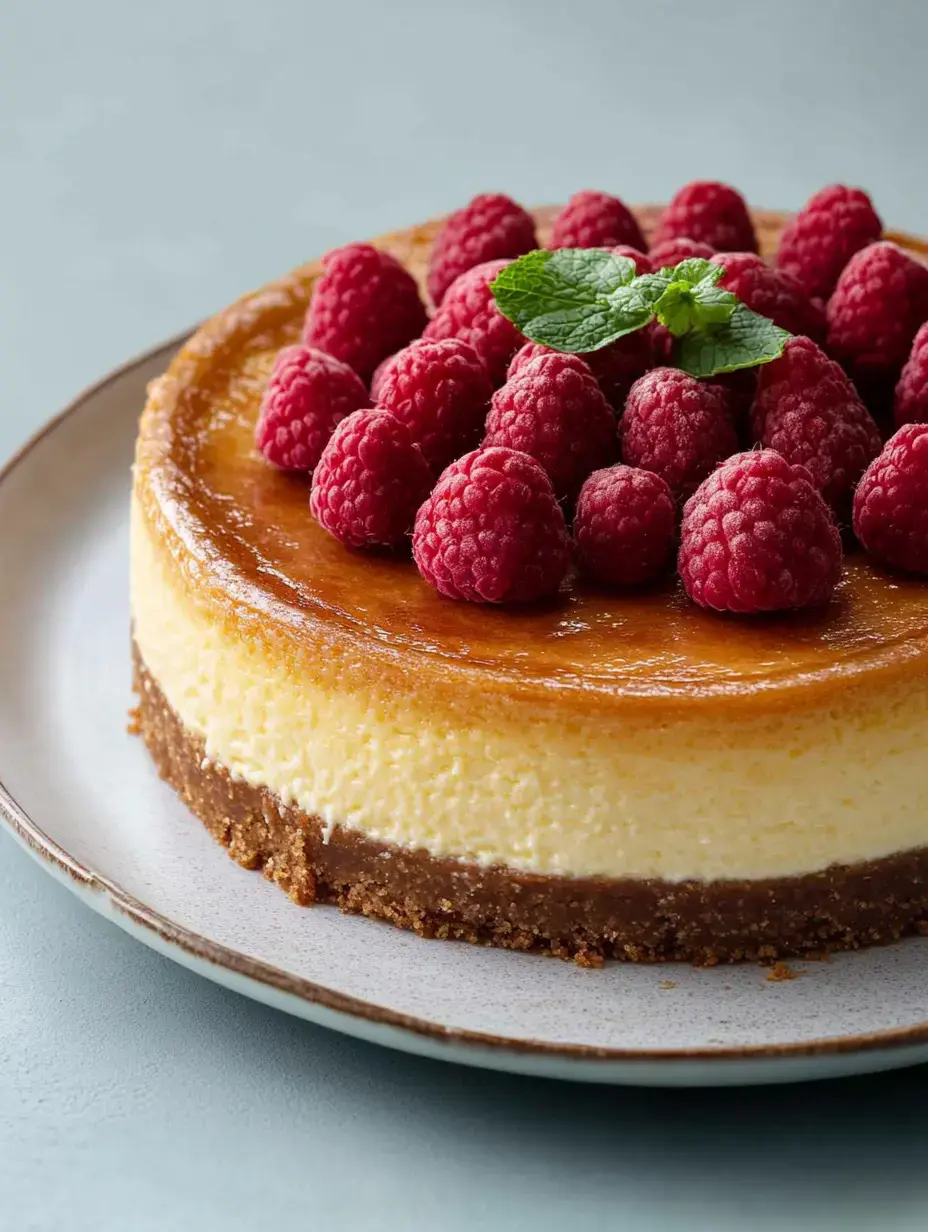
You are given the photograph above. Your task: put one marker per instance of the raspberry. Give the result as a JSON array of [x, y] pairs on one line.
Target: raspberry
[[595, 220], [616, 366], [677, 427], [642, 263], [771, 293], [364, 307], [808, 411], [880, 300], [553, 410], [681, 248], [911, 400], [369, 482], [492, 530], [488, 227], [891, 502], [524, 356], [709, 213], [757, 536], [624, 525], [441, 392], [306, 397], [819, 241], [469, 312], [737, 388]]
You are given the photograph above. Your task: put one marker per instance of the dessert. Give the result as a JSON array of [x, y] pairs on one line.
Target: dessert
[[595, 773]]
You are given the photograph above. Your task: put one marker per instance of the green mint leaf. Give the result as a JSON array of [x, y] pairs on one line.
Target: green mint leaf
[[676, 308], [744, 341], [596, 268], [691, 300], [697, 269], [712, 305], [574, 299], [642, 292], [683, 308]]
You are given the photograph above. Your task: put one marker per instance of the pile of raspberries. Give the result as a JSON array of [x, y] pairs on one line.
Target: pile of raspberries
[[511, 465]]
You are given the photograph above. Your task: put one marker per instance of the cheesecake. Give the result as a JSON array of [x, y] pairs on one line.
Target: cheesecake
[[599, 775]]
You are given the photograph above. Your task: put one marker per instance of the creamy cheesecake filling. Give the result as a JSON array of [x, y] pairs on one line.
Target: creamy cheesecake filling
[[728, 798]]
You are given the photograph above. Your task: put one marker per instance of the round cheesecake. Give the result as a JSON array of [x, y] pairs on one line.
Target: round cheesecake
[[603, 775]]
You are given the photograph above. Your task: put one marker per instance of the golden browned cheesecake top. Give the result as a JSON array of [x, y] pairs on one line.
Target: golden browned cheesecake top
[[245, 538]]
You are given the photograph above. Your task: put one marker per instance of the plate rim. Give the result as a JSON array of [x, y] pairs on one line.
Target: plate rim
[[79, 876]]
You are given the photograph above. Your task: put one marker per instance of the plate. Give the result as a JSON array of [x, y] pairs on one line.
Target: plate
[[79, 793]]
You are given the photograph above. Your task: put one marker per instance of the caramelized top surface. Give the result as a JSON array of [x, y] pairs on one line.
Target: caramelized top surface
[[244, 533]]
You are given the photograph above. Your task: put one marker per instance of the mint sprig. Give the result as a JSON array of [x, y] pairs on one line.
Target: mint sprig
[[581, 299], [574, 299], [692, 301]]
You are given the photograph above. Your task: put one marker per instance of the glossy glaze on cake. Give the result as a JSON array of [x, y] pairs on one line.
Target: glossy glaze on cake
[[618, 774]]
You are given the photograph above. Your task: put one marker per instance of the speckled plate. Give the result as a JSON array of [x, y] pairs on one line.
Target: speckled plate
[[79, 793]]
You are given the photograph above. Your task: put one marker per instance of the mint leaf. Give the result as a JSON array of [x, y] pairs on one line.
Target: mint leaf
[[675, 308], [574, 299], [691, 300], [696, 269], [683, 307], [593, 267], [580, 299], [642, 292], [744, 341], [713, 305]]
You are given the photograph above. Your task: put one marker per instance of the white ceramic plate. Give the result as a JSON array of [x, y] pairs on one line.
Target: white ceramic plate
[[79, 793]]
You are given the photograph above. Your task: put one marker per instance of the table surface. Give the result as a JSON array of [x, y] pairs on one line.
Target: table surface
[[156, 161]]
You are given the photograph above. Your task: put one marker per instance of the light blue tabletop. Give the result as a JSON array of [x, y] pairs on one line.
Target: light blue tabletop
[[155, 161]]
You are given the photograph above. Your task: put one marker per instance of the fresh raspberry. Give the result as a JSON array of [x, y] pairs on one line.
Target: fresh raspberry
[[554, 411], [492, 530], [469, 312], [595, 220], [681, 248], [709, 213], [642, 263], [891, 502], [524, 356], [364, 307], [307, 395], [488, 227], [819, 241], [757, 536], [771, 293], [736, 388], [677, 427], [616, 366], [624, 525], [441, 392], [807, 410], [911, 400], [880, 300], [370, 480]]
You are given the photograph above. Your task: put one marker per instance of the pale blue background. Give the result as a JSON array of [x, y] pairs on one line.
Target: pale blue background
[[157, 159]]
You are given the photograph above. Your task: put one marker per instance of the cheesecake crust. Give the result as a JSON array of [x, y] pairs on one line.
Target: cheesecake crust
[[587, 919]]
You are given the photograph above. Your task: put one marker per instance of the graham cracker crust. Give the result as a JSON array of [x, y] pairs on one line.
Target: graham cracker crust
[[586, 919]]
